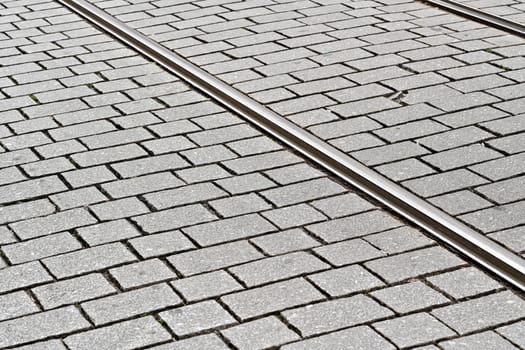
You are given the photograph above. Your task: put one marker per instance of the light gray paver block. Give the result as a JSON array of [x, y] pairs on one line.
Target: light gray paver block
[[461, 157], [464, 283], [444, 182], [261, 162], [229, 229], [78, 198], [260, 334], [184, 195], [285, 241], [174, 218], [413, 330], [302, 192], [245, 183], [486, 340], [148, 165], [26, 210], [127, 335], [345, 280], [88, 260], [238, 205], [15, 305], [389, 153], [277, 268], [61, 221], [74, 290], [202, 173], [412, 264], [21, 276], [514, 332], [120, 208], [161, 243], [197, 317], [132, 303], [293, 173], [208, 342], [31, 188], [106, 232], [504, 191], [497, 218], [399, 240], [143, 184], [357, 338], [484, 312], [460, 202], [206, 285], [354, 226], [213, 258], [512, 238], [41, 325], [502, 168], [296, 215], [410, 297], [271, 298], [143, 272], [89, 176], [342, 205], [348, 252], [39, 248], [335, 314]]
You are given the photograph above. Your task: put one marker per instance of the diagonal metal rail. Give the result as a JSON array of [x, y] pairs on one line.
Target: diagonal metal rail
[[480, 16], [441, 225]]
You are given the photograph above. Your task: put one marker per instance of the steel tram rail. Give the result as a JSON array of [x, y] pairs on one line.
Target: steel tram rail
[[479, 15], [442, 226]]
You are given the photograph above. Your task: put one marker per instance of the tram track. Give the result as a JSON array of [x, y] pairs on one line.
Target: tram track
[[442, 226]]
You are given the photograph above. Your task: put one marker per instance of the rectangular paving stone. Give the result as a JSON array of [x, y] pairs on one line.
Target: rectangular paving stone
[[413, 330], [161, 243], [213, 258], [413, 264], [229, 229], [148, 165], [41, 325], [126, 335], [88, 176], [410, 297], [207, 341], [12, 158], [39, 248], [135, 302], [141, 273], [260, 334], [174, 218], [463, 283], [348, 252], [206, 285], [184, 195], [302, 192], [293, 216], [107, 232], [261, 162], [484, 312], [60, 221], [120, 208], [354, 226], [444, 182], [78, 198], [108, 155], [355, 338], [46, 345], [271, 298], [284, 241], [488, 339], [197, 317], [31, 188], [497, 218], [504, 191], [72, 291], [335, 314], [346, 280], [277, 268], [25, 210], [239, 205], [461, 157], [389, 153], [22, 276], [455, 138], [88, 260], [15, 305]]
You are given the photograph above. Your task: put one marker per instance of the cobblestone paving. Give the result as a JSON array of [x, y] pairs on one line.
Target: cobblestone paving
[[430, 100], [513, 10], [136, 213]]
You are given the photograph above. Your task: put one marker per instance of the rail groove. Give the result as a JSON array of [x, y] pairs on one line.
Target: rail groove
[[442, 226], [479, 16]]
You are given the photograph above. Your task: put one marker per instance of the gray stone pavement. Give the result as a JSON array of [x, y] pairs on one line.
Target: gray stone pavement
[[431, 100], [138, 214]]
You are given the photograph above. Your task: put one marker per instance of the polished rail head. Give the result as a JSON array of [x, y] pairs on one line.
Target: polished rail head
[[441, 225]]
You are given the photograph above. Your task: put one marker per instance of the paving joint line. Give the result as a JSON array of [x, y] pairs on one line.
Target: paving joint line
[[442, 226]]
